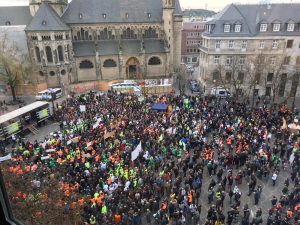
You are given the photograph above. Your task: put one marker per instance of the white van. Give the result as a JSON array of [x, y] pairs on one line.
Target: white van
[[42, 95], [47, 94], [127, 87], [220, 92]]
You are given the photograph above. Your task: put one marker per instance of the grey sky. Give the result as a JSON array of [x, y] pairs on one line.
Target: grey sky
[[209, 4]]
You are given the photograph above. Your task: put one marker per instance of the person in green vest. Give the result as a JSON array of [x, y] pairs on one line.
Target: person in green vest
[[104, 209], [92, 219]]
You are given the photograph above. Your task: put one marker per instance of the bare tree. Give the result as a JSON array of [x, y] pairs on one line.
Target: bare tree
[[14, 65], [181, 74]]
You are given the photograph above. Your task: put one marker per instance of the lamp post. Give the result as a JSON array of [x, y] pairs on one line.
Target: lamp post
[[215, 86]]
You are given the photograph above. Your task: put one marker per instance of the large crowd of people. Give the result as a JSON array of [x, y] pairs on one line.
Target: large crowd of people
[[121, 162]]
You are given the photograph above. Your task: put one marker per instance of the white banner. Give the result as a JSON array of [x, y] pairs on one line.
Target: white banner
[[82, 108], [5, 158], [136, 152]]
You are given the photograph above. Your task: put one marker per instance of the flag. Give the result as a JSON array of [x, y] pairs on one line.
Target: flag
[[5, 158], [136, 152]]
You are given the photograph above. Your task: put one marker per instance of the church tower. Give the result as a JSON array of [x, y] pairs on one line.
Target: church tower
[[168, 24], [58, 5]]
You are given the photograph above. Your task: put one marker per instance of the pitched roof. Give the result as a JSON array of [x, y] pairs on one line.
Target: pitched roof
[[154, 46], [46, 19], [15, 15], [109, 47], [92, 11], [252, 15], [84, 48]]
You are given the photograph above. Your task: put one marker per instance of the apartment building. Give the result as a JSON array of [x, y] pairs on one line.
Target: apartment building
[[254, 48], [191, 40]]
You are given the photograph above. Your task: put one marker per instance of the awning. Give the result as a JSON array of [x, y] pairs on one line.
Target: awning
[[160, 107]]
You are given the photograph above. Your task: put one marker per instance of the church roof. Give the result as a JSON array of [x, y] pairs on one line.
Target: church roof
[[46, 19], [14, 15], [115, 11]]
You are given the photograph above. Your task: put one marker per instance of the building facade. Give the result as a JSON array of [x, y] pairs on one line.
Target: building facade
[[96, 40], [191, 40], [253, 48]]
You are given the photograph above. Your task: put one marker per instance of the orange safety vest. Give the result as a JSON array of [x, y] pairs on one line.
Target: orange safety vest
[[290, 213], [164, 206], [190, 197], [118, 218]]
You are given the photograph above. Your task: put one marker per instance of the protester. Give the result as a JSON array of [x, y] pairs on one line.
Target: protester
[[121, 162]]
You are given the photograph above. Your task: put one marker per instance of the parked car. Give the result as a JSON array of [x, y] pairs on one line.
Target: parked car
[[220, 92], [195, 87]]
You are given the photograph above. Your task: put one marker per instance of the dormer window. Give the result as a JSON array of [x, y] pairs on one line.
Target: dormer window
[[276, 27], [127, 15], [44, 22], [104, 16], [226, 28], [291, 27], [237, 28], [80, 16], [149, 15], [263, 27], [7, 23]]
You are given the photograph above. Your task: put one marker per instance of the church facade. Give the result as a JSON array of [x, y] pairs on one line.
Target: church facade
[[101, 40]]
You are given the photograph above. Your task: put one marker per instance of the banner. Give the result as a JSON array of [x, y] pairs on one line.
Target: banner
[[5, 158], [136, 152], [110, 134], [82, 108]]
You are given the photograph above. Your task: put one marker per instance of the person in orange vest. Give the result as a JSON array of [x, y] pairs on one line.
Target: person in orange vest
[[118, 218], [289, 213], [190, 197], [164, 206]]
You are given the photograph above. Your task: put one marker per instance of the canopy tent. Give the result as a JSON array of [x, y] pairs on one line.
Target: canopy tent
[[160, 107], [22, 111]]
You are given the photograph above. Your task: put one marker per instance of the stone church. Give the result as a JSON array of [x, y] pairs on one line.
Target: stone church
[[103, 40]]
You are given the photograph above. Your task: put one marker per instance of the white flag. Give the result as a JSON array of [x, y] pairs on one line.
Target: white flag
[[5, 158], [136, 152]]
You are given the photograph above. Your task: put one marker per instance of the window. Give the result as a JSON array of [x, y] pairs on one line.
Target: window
[[270, 77], [263, 27], [240, 77], [275, 44], [105, 34], [237, 28], [244, 44], [127, 15], [218, 44], [60, 54], [290, 27], [276, 27], [194, 59], [104, 16], [109, 63], [227, 28], [262, 44], [298, 61], [52, 73], [228, 76], [49, 55], [231, 44], [7, 23], [273, 60], [37, 54], [289, 44], [80, 16], [86, 64], [217, 60], [128, 34], [242, 60], [286, 60], [229, 60], [154, 61], [151, 33], [257, 78], [216, 75]]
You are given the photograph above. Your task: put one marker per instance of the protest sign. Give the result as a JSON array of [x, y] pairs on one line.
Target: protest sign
[[136, 152], [82, 108], [110, 134], [5, 158]]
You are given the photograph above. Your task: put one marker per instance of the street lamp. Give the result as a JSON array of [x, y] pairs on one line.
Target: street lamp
[[215, 86]]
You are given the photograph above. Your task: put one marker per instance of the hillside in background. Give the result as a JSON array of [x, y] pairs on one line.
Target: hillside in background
[[198, 13]]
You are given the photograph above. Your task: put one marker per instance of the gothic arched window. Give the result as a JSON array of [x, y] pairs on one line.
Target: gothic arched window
[[86, 64], [60, 53], [37, 54], [109, 63], [49, 55], [154, 61]]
